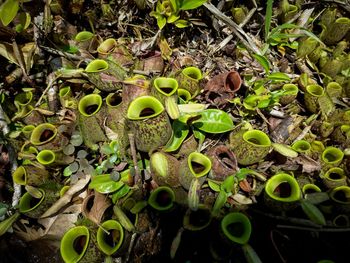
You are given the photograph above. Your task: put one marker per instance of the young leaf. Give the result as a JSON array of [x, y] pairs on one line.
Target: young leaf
[[104, 184], [199, 135], [181, 23], [213, 186], [227, 185], [278, 76], [214, 121], [313, 212], [120, 193], [191, 4], [268, 17], [219, 202], [8, 11], [263, 61]]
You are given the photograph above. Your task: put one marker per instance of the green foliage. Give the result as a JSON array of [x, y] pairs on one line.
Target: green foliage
[[268, 17], [8, 11], [111, 152], [168, 11], [313, 212], [213, 121]]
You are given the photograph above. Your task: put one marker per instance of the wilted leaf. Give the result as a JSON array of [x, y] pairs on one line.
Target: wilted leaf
[[99, 205], [66, 198], [165, 49], [176, 243]]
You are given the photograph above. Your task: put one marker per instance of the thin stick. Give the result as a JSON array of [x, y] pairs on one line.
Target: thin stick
[[303, 133], [131, 245], [293, 220], [329, 230], [246, 40], [46, 90], [134, 159]]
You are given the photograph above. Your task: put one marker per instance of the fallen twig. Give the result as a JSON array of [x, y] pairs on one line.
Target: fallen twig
[[246, 40]]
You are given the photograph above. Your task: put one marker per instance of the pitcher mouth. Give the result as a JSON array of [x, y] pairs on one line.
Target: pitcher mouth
[[96, 66], [110, 237], [74, 244], [332, 155], [162, 198], [144, 107], [341, 194], [236, 227], [283, 187], [199, 164], [257, 138], [28, 203], [90, 104], [43, 134], [166, 86], [193, 73], [315, 90]]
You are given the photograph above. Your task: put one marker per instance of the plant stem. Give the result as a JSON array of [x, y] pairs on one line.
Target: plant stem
[[329, 230], [12, 154]]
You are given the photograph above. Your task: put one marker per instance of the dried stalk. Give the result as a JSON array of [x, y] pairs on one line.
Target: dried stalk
[[246, 40]]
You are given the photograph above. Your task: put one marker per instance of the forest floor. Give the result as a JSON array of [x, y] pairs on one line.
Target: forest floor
[[173, 117]]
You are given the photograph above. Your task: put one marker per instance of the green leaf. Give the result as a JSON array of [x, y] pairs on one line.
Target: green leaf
[[104, 184], [180, 132], [213, 185], [181, 23], [199, 135], [263, 61], [161, 20], [250, 255], [67, 171], [242, 173], [278, 76], [219, 202], [8, 11], [123, 191], [214, 121], [191, 4], [106, 149], [227, 185], [313, 213], [285, 150], [268, 17], [172, 18]]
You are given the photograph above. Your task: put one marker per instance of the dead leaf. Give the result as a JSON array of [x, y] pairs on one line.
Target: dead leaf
[[308, 164], [100, 203], [67, 197]]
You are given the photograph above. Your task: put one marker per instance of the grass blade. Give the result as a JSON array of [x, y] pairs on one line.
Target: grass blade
[[268, 17]]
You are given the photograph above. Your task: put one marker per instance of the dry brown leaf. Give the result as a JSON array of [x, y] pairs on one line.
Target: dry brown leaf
[[100, 203], [308, 164], [66, 198]]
